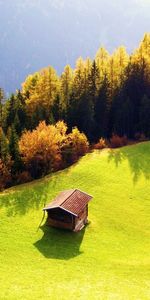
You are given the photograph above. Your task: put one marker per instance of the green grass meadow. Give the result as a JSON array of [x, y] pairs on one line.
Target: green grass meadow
[[108, 260]]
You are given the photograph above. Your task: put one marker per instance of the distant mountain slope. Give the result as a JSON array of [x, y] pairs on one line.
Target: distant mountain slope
[[37, 33]]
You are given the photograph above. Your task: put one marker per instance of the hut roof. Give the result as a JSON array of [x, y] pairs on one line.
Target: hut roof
[[73, 201]]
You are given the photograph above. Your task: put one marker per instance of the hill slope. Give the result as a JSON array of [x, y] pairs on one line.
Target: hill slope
[[107, 260]]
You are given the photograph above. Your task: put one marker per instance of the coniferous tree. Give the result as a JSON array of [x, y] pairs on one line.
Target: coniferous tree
[[4, 149], [14, 151], [21, 111], [102, 60], [29, 86], [145, 116], [78, 108], [57, 110], [2, 99], [38, 115], [11, 110], [101, 111], [44, 92], [90, 100], [134, 89], [122, 117], [17, 124], [66, 81], [94, 82]]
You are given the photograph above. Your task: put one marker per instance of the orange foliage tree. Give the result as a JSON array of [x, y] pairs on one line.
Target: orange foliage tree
[[40, 149], [43, 149], [75, 145], [79, 142]]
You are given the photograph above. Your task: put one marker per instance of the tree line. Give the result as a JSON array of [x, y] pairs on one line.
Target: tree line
[[101, 97]]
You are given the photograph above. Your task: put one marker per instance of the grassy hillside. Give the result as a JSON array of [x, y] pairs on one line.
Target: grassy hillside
[[109, 259]]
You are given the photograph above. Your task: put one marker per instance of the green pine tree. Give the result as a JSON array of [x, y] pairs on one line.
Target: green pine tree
[[101, 113], [14, 150], [4, 149], [2, 99], [145, 116]]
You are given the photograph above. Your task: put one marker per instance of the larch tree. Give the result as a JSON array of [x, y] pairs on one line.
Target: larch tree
[[66, 81], [102, 59], [45, 92]]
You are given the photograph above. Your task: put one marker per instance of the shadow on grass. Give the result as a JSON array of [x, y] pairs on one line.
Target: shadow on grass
[[34, 195], [59, 243], [19, 200], [138, 157]]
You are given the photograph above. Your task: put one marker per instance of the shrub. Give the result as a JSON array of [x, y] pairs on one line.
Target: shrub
[[68, 155], [48, 148], [40, 149], [76, 145], [101, 144], [79, 142], [23, 177], [140, 136], [117, 141]]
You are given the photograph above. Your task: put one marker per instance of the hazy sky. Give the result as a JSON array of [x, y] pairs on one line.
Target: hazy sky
[[37, 33]]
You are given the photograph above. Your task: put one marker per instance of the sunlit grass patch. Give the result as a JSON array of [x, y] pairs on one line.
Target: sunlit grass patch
[[109, 259]]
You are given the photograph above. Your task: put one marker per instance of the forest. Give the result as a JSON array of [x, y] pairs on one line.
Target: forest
[[53, 120]]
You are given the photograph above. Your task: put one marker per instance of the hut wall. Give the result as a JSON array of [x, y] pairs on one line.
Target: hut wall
[[59, 224], [81, 220], [60, 218]]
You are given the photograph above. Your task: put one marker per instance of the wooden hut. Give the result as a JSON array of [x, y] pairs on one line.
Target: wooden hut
[[68, 210]]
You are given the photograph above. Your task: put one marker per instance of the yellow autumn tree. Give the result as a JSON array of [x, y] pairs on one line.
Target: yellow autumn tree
[[42, 89], [66, 81], [40, 149], [102, 59], [79, 142]]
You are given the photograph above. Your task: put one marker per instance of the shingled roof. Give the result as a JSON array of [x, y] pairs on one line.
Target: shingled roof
[[73, 201]]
